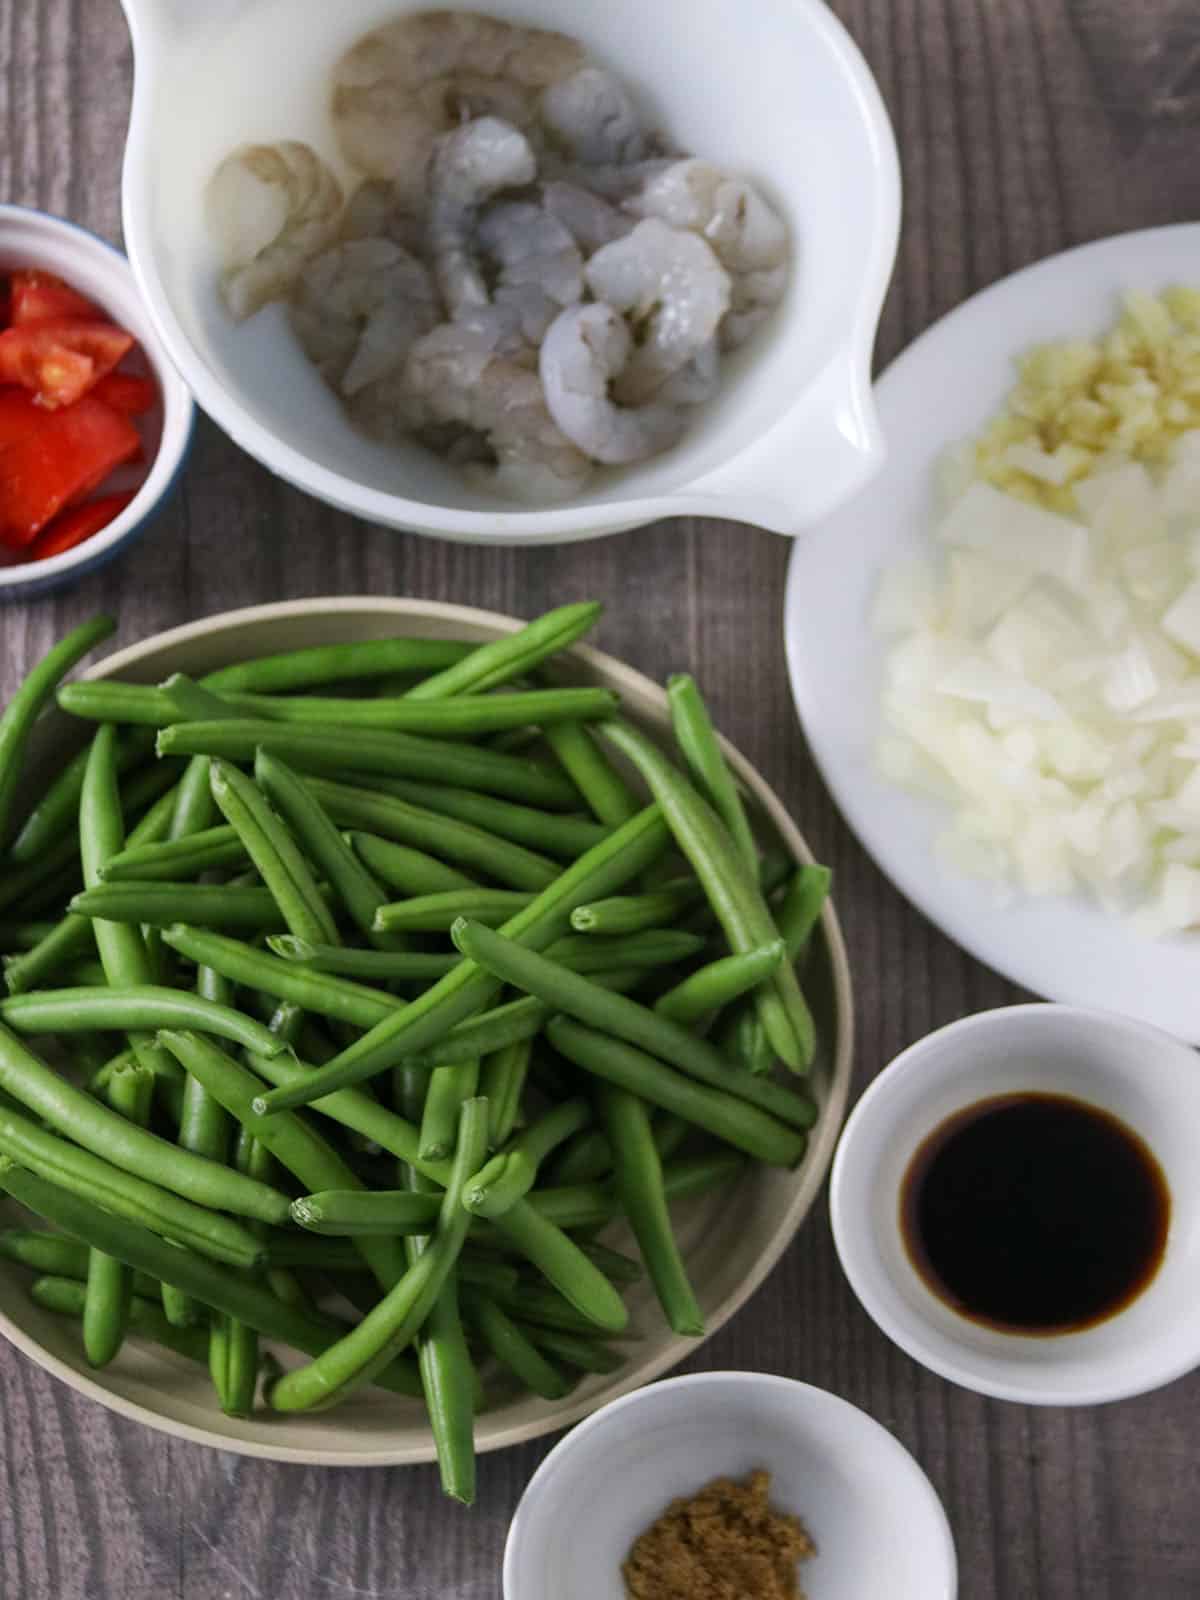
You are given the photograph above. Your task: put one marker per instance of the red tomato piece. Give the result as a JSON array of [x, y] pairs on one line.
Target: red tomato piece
[[60, 361], [127, 392], [49, 458], [73, 526], [41, 297]]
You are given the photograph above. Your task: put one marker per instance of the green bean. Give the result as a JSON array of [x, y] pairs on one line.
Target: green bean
[[469, 846], [322, 993], [381, 966], [398, 1317], [591, 1003], [294, 1142], [26, 706], [639, 1185], [529, 1228], [425, 1021], [547, 1309], [401, 867], [715, 985], [109, 1288], [620, 1268], [513, 1171], [466, 717], [205, 1128], [502, 1075], [58, 863], [557, 835], [158, 905], [586, 1158], [92, 1177], [670, 1132], [215, 1286], [274, 852], [742, 1035], [178, 859], [609, 798], [513, 1350], [138, 1008], [65, 1297], [700, 745], [354, 1211], [195, 810], [448, 1089], [23, 935], [588, 1205], [63, 942], [732, 891], [168, 1078], [107, 700], [516, 1022], [328, 747], [630, 913], [335, 663], [512, 656], [233, 1344], [589, 1355], [434, 913], [355, 887], [493, 1276], [744, 1126], [60, 1257], [57, 812]]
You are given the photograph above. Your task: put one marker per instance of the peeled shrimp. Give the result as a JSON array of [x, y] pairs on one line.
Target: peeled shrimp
[[469, 166], [674, 290], [359, 308], [748, 237], [422, 75], [593, 118], [455, 375], [376, 211], [585, 348], [540, 267], [614, 181], [271, 207], [590, 220]]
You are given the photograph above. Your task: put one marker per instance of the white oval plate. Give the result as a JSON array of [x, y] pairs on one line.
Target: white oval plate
[[945, 386]]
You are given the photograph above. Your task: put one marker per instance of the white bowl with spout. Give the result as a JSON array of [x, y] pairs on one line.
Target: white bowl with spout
[[777, 91]]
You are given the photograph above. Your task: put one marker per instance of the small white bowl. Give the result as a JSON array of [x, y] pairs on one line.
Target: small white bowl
[[875, 1519], [1148, 1080], [36, 239]]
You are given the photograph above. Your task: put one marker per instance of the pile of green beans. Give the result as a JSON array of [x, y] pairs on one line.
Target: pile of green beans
[[385, 999]]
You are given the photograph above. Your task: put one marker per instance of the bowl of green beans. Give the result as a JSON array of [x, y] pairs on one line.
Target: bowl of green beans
[[419, 1028]]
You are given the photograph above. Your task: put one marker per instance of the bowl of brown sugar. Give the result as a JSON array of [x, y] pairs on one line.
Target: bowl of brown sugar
[[729, 1486]]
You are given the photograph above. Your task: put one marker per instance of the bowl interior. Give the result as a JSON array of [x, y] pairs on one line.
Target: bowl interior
[[87, 263], [877, 1524], [786, 101], [730, 1239], [1147, 1080]]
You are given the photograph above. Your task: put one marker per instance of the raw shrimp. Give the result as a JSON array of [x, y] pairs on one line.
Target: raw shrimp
[[422, 75], [271, 207], [540, 267], [593, 118], [590, 220], [359, 307], [585, 348], [376, 211], [674, 290], [454, 375], [748, 237], [469, 166], [610, 180]]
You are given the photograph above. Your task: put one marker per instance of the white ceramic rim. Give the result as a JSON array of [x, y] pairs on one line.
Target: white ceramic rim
[[849, 1238], [179, 418], [560, 525], [813, 1169], [903, 1458]]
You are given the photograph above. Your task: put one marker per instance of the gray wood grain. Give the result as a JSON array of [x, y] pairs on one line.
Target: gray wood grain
[[1024, 126]]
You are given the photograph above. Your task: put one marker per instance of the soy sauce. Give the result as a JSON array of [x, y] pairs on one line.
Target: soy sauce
[[1035, 1213]]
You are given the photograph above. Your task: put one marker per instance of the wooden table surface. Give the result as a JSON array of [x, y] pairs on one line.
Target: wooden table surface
[[1024, 126]]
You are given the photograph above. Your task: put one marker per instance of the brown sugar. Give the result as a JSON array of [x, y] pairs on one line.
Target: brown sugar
[[722, 1543]]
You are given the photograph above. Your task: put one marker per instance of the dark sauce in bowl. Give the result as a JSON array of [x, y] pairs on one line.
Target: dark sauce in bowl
[[1035, 1213]]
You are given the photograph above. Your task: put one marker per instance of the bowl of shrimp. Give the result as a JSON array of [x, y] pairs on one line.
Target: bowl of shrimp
[[529, 280]]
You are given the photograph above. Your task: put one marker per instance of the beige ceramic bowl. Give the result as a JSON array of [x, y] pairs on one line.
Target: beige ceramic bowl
[[731, 1239]]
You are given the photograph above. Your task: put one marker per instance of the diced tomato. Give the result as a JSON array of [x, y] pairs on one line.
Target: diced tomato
[[50, 458], [126, 392], [73, 526], [60, 361], [41, 297]]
